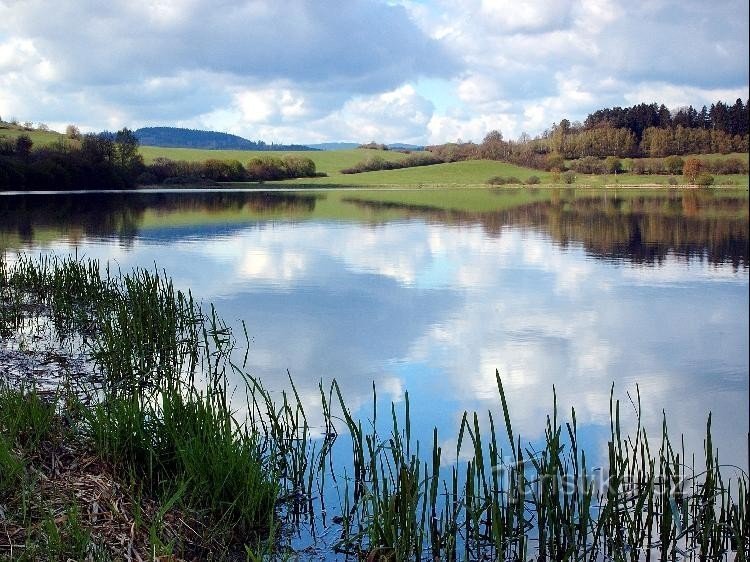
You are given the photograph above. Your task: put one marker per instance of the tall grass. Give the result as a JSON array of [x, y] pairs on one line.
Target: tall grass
[[163, 416]]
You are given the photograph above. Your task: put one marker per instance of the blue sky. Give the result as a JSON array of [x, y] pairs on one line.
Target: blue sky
[[410, 71]]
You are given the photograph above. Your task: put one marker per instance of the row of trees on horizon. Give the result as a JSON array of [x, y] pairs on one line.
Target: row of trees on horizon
[[113, 161], [644, 130]]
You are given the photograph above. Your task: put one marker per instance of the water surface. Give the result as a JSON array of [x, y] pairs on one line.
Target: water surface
[[431, 291]]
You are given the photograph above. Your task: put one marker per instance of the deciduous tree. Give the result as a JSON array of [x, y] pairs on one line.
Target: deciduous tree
[[691, 169]]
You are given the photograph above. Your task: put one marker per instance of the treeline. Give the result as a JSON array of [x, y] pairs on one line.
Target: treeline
[[730, 119], [645, 130], [164, 171], [112, 161], [88, 162], [379, 163]]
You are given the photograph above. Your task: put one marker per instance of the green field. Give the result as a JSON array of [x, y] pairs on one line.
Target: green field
[[39, 138], [454, 174], [477, 172], [328, 161]]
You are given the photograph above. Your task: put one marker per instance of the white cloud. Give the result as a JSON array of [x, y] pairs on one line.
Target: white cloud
[[347, 70]]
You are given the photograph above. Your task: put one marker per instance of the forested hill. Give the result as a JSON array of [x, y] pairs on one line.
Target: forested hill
[[175, 137]]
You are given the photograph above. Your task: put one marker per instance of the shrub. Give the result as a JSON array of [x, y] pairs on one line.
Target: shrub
[[672, 180], [299, 167], [266, 168], [674, 164], [654, 166], [704, 179], [569, 177], [23, 145], [372, 145], [501, 180], [420, 159], [377, 162], [555, 162], [691, 168], [638, 167], [532, 180], [588, 165], [612, 164], [731, 165]]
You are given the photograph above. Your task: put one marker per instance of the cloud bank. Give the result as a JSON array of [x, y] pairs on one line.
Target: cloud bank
[[413, 71]]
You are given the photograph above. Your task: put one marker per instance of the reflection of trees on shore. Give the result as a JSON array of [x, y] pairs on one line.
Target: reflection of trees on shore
[[639, 228], [642, 228], [121, 215]]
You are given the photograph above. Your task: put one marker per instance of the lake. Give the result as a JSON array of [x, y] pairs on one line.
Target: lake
[[430, 291]]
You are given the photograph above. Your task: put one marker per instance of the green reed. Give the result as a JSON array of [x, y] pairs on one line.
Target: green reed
[[163, 414]]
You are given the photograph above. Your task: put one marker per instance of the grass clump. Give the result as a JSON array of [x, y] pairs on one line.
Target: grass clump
[[158, 415], [191, 449], [26, 419]]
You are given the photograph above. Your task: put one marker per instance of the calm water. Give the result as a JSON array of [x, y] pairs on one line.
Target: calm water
[[430, 292]]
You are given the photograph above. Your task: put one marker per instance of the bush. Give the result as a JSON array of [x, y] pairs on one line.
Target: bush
[[674, 164], [376, 163], [704, 179], [654, 166], [532, 180], [569, 177], [588, 165], [638, 167], [555, 162], [731, 165], [672, 180], [612, 164], [299, 167], [691, 168], [372, 145], [266, 168], [500, 180]]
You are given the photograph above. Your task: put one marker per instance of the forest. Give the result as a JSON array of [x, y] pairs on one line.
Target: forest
[[644, 130], [113, 161], [175, 137]]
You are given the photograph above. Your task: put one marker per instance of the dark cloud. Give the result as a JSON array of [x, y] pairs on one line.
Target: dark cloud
[[354, 45]]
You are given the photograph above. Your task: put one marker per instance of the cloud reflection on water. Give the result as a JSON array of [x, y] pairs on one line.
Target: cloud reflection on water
[[436, 308]]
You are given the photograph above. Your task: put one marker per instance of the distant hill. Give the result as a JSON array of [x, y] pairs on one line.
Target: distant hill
[[334, 145], [402, 146], [175, 137]]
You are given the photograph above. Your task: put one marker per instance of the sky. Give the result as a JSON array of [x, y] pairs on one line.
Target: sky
[[416, 71]]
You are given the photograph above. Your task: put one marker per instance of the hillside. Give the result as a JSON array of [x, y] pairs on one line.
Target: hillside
[[39, 138], [328, 161], [175, 137], [464, 173]]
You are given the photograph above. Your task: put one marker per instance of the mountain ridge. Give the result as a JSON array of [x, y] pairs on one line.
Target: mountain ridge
[[178, 137]]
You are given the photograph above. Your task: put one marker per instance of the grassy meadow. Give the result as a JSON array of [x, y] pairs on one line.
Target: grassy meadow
[[454, 174], [472, 173], [39, 138], [329, 161]]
